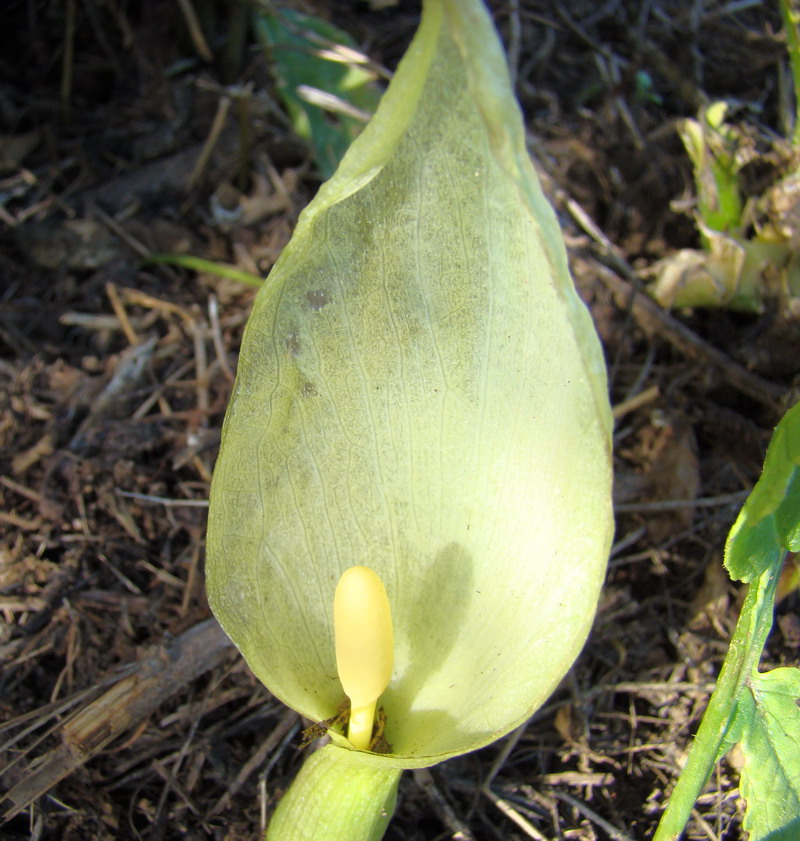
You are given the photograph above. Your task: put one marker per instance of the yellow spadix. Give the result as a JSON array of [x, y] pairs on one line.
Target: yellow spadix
[[362, 622]]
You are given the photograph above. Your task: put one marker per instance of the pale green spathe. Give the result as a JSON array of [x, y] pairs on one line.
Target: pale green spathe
[[421, 391]]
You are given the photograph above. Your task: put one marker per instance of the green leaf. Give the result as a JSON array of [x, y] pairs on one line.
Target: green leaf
[[770, 779], [758, 710], [787, 515], [421, 391], [725, 718], [753, 550], [712, 144], [325, 86], [769, 521]]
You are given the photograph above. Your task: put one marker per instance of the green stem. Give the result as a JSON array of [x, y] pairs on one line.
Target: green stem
[[791, 18], [336, 797], [714, 735], [198, 264]]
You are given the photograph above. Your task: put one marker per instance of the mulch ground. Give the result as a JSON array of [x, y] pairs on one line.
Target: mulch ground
[[124, 712]]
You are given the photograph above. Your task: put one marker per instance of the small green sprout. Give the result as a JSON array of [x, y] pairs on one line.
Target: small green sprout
[[362, 620], [750, 259], [646, 89]]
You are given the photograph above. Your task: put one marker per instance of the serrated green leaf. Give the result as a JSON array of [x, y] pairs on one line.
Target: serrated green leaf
[[329, 98], [769, 521], [770, 777]]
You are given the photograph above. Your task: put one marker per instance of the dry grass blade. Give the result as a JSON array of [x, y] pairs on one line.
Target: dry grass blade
[[613, 832], [513, 815], [286, 725], [165, 670]]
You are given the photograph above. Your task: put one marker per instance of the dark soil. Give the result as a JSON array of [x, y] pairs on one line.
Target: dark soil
[[125, 714]]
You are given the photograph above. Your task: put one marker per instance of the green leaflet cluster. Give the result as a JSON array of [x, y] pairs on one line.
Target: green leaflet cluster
[[757, 710]]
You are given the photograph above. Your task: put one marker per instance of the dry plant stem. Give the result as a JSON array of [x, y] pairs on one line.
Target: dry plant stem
[[165, 670], [127, 376], [138, 248], [216, 337], [223, 106], [513, 815], [636, 402], [460, 831], [621, 281], [245, 142], [651, 317], [613, 832], [195, 31], [234, 47], [508, 746], [286, 725], [122, 315], [68, 63]]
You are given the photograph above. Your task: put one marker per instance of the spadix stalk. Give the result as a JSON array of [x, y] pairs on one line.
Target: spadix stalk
[[362, 621]]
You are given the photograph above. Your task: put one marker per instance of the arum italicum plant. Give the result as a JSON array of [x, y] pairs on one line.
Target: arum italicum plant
[[422, 394]]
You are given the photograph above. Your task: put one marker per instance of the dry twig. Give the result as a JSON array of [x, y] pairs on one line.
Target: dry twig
[[165, 670]]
